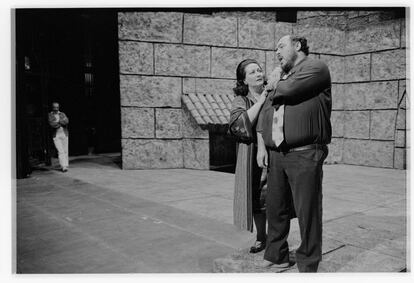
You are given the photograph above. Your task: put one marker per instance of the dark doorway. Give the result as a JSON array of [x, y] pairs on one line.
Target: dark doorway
[[69, 56], [222, 150]]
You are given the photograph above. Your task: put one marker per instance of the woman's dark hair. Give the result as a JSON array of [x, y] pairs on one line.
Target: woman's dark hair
[[241, 88]]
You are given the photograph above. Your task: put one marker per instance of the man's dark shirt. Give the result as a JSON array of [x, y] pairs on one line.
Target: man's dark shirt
[[306, 94]]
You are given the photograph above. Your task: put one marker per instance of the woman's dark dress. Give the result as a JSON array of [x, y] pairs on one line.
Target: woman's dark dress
[[250, 179]]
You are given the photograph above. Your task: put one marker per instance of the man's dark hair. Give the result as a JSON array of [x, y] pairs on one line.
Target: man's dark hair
[[303, 43]]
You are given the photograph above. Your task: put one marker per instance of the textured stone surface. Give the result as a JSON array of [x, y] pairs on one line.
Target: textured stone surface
[[376, 37], [225, 60], [337, 121], [383, 124], [336, 65], [135, 57], [388, 65], [189, 85], [338, 96], [271, 62], [322, 39], [356, 124], [137, 122], [403, 33], [182, 60], [190, 127], [400, 139], [256, 34], [151, 153], [334, 21], [307, 14], [168, 123], [215, 86], [210, 30], [402, 94], [400, 158], [282, 29], [145, 91], [150, 26], [357, 68], [335, 151], [401, 119], [367, 152], [265, 16], [196, 153], [372, 95]]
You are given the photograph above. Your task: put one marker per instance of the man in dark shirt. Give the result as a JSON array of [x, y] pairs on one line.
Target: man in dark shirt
[[293, 130]]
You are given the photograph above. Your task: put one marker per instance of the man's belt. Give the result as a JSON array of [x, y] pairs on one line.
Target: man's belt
[[305, 147]]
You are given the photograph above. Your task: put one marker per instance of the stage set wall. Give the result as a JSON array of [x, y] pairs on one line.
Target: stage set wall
[[163, 55]]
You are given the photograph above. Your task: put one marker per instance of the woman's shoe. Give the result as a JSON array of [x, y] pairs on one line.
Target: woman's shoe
[[258, 247]]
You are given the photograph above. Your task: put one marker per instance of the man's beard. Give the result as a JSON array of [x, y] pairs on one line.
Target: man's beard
[[289, 63]]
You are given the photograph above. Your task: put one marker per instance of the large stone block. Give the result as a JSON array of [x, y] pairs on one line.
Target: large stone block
[[374, 37], [149, 91], [400, 139], [373, 95], [271, 62], [215, 86], [334, 21], [210, 30], [150, 26], [190, 127], [367, 152], [400, 158], [136, 57], [196, 154], [337, 120], [189, 85], [282, 29], [383, 124], [152, 153], [357, 68], [168, 123], [336, 65], [338, 96], [265, 16], [335, 151], [388, 65], [401, 119], [402, 94], [356, 124], [225, 60], [137, 122], [403, 32], [308, 14], [321, 39], [182, 60], [256, 34]]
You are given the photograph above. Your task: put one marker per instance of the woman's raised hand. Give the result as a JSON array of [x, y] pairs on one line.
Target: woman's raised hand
[[274, 78]]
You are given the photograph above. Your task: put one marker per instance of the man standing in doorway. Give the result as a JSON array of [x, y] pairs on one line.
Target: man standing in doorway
[[59, 123], [293, 132]]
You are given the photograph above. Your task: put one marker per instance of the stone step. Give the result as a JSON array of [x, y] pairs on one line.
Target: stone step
[[243, 261]]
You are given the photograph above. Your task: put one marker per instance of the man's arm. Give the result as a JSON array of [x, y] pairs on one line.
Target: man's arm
[[262, 158], [52, 122], [64, 120], [304, 84]]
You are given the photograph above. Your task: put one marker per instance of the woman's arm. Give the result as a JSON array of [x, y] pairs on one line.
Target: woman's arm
[[253, 111]]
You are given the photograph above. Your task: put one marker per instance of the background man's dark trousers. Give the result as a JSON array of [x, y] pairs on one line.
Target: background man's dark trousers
[[298, 173]]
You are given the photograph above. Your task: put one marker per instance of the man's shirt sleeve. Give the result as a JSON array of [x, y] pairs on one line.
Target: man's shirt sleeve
[[305, 83]]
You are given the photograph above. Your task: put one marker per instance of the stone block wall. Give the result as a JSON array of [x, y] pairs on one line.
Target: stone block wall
[[367, 61], [165, 54]]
